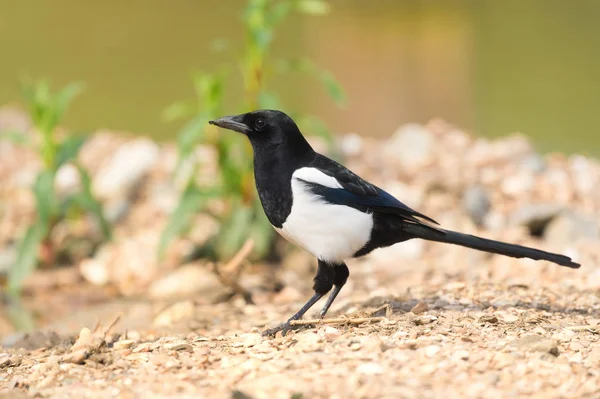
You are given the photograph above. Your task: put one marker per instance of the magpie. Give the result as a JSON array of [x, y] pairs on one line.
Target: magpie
[[327, 210]]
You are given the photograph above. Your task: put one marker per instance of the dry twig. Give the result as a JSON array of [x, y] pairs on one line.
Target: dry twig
[[230, 272], [337, 320]]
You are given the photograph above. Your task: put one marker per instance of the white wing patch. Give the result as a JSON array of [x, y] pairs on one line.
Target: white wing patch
[[330, 232], [315, 176]]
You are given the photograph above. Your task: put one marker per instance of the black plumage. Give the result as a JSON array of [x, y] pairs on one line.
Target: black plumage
[[331, 212]]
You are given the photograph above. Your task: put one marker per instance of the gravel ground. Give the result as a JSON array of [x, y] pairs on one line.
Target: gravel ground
[[418, 320], [477, 340]]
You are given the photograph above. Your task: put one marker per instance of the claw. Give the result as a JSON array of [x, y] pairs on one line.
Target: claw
[[284, 328]]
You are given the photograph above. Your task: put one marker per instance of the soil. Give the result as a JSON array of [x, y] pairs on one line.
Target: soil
[[432, 334]]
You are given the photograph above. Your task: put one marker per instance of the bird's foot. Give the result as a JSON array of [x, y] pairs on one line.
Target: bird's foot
[[284, 328]]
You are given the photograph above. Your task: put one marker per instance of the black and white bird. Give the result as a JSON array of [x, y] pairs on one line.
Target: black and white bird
[[324, 208]]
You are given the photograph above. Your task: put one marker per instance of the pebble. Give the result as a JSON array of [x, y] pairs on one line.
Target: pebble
[[492, 319], [569, 227], [175, 313], [460, 355], [124, 344], [510, 318], [518, 184], [370, 368], [419, 308], [535, 217], [8, 256], [412, 146], [143, 347], [251, 339], [178, 346], [536, 343], [593, 358], [431, 350], [331, 333], [125, 169], [476, 202], [185, 281]]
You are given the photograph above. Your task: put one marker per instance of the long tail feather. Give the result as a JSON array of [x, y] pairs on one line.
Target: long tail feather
[[484, 244]]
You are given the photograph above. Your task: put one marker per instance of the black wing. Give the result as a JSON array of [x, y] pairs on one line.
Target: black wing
[[358, 193]]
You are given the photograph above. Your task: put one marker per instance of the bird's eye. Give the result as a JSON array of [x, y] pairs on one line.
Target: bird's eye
[[260, 123]]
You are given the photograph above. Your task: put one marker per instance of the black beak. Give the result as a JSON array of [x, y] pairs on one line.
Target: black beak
[[232, 123]]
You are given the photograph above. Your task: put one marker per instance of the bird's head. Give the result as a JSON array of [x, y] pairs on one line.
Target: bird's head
[[266, 129]]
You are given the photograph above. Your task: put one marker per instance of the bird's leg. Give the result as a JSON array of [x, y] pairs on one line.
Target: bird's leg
[[339, 279], [323, 282]]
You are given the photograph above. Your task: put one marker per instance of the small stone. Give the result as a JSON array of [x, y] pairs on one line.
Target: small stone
[[4, 359], [159, 359], [352, 144], [410, 344], [476, 202], [370, 368], [431, 350], [251, 339], [535, 217], [185, 281], [510, 318], [412, 146], [419, 308], [67, 180], [95, 271], [518, 184], [570, 227], [492, 319], [124, 171], [8, 256], [331, 333], [575, 346], [460, 355], [77, 357], [594, 357], [124, 344], [175, 313], [536, 343], [593, 322], [423, 320], [179, 346], [144, 347]]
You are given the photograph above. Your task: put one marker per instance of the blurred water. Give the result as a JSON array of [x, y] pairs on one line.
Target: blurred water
[[491, 67]]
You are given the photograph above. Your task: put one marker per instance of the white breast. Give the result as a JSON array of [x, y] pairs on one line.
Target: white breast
[[330, 232]]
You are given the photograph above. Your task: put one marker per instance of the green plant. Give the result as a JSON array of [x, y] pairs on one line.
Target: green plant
[[243, 216], [46, 110]]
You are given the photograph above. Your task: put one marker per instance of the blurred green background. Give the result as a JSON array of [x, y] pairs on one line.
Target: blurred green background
[[492, 67]]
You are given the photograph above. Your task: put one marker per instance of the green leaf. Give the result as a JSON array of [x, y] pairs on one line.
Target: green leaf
[[191, 202], [191, 135], [64, 98], [26, 258], [278, 12], [334, 88], [209, 89], [87, 201], [315, 7], [20, 317], [68, 149], [45, 197], [234, 231], [262, 37]]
